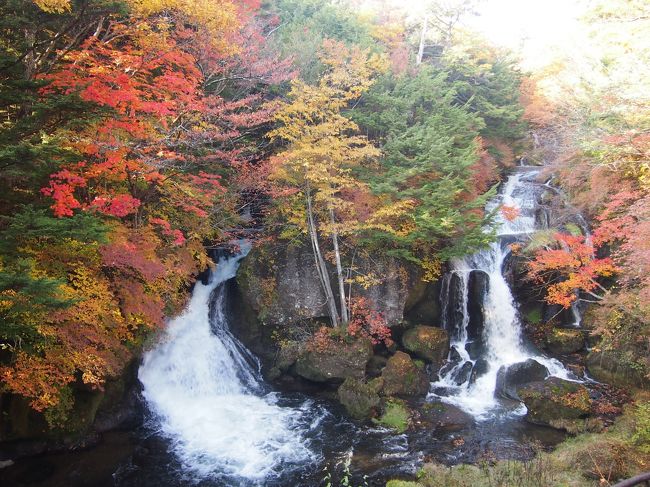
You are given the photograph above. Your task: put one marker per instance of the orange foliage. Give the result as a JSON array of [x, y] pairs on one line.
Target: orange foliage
[[569, 270]]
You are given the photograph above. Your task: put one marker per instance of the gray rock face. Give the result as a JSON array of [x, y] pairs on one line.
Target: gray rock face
[[281, 285], [510, 378]]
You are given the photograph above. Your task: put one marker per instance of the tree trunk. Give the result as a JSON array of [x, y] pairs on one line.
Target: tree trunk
[[422, 38], [339, 270], [321, 267]]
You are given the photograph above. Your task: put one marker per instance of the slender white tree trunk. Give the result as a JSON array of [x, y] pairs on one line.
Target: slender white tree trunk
[[339, 270], [423, 36], [321, 267]]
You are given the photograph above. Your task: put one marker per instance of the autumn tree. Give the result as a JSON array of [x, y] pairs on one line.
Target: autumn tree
[[568, 268], [322, 149]]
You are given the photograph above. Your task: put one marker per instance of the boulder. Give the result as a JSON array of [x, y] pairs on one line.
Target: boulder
[[335, 363], [481, 366], [444, 416], [359, 399], [463, 374], [611, 367], [554, 400], [427, 342], [511, 377], [402, 377], [564, 341]]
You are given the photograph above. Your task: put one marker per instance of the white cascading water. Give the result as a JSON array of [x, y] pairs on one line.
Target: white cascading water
[[209, 400], [501, 336]]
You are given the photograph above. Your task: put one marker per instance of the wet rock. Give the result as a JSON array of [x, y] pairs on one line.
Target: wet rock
[[553, 400], [475, 349], [335, 363], [456, 304], [563, 341], [427, 342], [454, 355], [463, 373], [609, 366], [478, 286], [444, 416], [510, 378], [359, 399], [452, 361], [402, 377], [481, 366]]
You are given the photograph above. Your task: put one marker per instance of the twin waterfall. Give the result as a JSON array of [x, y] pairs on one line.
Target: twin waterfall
[[208, 398], [480, 313]]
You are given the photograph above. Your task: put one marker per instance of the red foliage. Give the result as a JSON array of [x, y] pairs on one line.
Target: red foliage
[[365, 322]]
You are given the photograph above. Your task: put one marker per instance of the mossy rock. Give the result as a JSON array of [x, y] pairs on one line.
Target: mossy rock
[[402, 377], [555, 400], [359, 399], [614, 368], [427, 342], [336, 362], [403, 483], [396, 415], [563, 341]]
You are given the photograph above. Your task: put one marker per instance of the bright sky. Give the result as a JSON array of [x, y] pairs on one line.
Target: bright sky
[[532, 26]]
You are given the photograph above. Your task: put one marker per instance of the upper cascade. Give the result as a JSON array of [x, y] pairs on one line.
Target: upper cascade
[[469, 379]]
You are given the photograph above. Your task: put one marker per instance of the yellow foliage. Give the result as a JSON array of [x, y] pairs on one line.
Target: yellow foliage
[[53, 6], [432, 269], [218, 17]]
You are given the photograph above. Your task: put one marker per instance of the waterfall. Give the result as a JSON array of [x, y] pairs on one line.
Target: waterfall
[[487, 338], [208, 399]]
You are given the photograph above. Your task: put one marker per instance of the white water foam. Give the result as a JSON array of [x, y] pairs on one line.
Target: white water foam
[[209, 400], [502, 328]]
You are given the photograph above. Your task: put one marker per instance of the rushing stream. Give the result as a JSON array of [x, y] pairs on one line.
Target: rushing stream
[[485, 340]]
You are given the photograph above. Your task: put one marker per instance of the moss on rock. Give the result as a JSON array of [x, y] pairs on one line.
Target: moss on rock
[[555, 400], [402, 377], [562, 341], [616, 369], [427, 342], [396, 415], [359, 399]]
